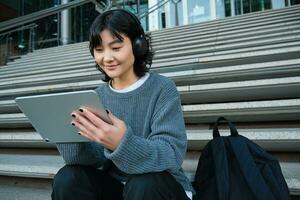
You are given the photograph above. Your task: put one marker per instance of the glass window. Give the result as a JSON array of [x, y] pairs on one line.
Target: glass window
[[228, 8], [176, 13], [142, 9], [199, 10], [220, 8], [237, 7], [247, 6], [294, 2], [278, 4]]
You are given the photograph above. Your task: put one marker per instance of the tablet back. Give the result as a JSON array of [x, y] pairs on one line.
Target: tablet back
[[50, 114]]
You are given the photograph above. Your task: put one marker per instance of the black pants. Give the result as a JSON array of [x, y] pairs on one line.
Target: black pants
[[74, 182]]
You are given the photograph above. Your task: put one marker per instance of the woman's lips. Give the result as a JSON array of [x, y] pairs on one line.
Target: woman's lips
[[111, 67]]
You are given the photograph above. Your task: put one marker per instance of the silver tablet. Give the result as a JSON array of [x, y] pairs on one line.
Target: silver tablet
[[50, 114]]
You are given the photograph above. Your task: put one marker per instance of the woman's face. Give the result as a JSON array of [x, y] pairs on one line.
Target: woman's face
[[115, 57]]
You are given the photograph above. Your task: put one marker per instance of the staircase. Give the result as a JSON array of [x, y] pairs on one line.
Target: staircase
[[246, 68]]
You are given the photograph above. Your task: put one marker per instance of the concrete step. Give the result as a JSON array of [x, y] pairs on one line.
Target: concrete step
[[217, 74], [251, 111], [53, 63], [75, 75], [250, 17], [22, 138], [283, 138], [206, 45], [64, 54], [8, 106], [199, 37], [221, 36], [259, 89], [30, 163], [14, 188], [233, 40], [8, 94], [181, 39], [56, 49], [248, 111], [213, 48], [278, 88], [80, 73], [279, 138], [229, 58], [282, 51], [223, 28], [39, 163]]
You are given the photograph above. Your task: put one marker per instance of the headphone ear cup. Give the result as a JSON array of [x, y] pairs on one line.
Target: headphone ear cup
[[140, 46]]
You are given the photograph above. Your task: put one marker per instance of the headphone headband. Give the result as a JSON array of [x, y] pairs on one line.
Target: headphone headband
[[133, 16]]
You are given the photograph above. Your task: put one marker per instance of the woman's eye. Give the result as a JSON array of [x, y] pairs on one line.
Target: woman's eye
[[116, 48], [99, 50]]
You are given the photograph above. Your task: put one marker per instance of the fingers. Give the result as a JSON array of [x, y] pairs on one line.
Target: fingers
[[97, 121], [95, 129], [82, 123], [86, 128], [89, 124]]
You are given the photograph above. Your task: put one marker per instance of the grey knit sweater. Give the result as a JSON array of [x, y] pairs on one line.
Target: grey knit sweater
[[155, 139]]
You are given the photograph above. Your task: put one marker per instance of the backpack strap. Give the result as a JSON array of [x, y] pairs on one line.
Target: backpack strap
[[216, 133]]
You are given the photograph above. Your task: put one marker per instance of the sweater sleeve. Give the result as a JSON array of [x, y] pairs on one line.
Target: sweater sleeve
[[86, 153], [164, 148]]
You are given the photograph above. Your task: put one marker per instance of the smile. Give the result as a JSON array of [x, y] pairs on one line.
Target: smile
[[111, 67]]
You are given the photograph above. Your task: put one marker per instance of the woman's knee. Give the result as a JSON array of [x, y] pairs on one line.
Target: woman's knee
[[158, 185], [67, 177], [144, 183]]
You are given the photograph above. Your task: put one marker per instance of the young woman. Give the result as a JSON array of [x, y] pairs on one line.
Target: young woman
[[139, 155]]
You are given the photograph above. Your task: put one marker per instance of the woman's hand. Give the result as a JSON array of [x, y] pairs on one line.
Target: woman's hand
[[95, 129]]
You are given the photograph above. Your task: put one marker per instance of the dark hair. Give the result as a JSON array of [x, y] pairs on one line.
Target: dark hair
[[118, 22]]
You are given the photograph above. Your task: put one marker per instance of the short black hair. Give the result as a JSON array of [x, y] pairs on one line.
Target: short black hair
[[118, 22]]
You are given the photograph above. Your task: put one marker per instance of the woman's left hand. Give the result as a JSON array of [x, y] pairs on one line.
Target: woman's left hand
[[95, 129]]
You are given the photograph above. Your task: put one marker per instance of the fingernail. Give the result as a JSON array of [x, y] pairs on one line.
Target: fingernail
[[107, 111], [79, 133], [81, 110], [73, 124], [73, 115]]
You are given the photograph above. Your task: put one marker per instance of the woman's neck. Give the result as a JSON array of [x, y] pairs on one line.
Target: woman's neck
[[122, 83]]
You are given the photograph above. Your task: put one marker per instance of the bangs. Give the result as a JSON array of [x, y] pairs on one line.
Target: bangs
[[96, 40]]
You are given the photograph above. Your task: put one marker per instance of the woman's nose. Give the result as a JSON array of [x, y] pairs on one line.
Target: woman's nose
[[107, 57]]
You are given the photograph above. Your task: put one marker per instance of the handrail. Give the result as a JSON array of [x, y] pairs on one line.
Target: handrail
[[33, 25], [8, 24]]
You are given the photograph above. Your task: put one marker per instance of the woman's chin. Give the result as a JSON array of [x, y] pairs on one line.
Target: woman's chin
[[112, 75]]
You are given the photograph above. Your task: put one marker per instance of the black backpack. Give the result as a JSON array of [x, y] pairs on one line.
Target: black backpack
[[235, 168]]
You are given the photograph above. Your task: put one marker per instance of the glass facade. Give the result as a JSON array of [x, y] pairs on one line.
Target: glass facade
[[137, 7], [47, 30], [247, 6], [199, 11]]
